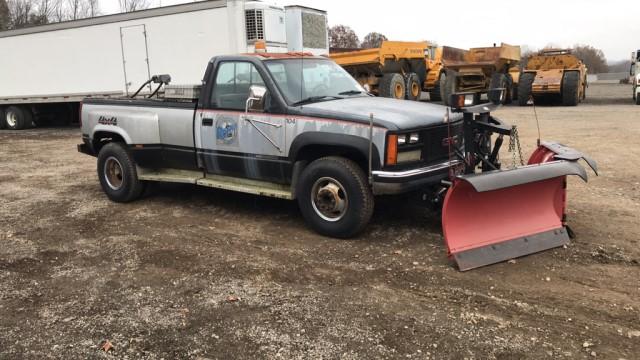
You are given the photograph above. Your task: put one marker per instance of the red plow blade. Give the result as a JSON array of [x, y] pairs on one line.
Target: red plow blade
[[500, 215]]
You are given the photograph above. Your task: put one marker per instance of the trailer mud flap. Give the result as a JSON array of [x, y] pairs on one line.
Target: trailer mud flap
[[500, 215]]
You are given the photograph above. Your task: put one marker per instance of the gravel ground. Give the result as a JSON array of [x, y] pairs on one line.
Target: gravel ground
[[190, 272]]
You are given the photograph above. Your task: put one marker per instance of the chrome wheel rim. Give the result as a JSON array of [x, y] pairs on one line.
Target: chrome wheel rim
[[12, 119], [329, 199], [113, 173]]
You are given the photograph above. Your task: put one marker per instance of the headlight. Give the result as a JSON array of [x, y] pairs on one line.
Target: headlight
[[402, 139], [414, 138]]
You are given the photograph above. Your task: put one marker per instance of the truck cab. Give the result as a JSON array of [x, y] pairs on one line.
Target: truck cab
[[292, 126]]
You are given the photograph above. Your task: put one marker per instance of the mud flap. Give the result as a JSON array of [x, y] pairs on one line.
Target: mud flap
[[500, 215]]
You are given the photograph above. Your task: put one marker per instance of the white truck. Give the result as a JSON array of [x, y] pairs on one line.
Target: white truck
[[45, 71], [635, 75]]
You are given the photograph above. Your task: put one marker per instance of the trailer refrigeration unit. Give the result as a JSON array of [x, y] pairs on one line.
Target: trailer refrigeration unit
[[45, 71]]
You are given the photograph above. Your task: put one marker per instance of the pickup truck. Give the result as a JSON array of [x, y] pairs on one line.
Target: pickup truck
[[291, 126]]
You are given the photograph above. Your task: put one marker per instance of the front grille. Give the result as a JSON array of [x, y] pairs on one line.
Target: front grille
[[254, 24], [434, 139]]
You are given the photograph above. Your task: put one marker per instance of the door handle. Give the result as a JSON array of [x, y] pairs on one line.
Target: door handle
[[207, 122]]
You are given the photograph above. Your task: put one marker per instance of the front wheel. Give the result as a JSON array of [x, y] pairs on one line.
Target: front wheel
[[117, 173], [334, 197]]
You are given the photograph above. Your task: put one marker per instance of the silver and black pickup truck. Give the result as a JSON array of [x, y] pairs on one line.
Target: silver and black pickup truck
[[291, 126]]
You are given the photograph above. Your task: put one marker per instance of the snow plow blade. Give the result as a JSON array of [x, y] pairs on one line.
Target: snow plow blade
[[500, 215]]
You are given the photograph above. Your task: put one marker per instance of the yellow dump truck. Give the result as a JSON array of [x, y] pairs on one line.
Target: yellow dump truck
[[397, 69], [480, 69], [554, 74]]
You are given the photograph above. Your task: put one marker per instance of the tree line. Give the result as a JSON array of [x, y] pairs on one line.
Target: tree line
[[343, 37], [17, 14]]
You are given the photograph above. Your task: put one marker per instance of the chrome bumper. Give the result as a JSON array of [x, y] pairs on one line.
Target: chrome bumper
[[427, 170]]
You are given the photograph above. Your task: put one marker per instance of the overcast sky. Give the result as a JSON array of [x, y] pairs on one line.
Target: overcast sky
[[610, 25]]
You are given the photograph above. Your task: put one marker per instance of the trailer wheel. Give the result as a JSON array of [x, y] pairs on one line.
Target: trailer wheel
[[450, 86], [501, 81], [524, 88], [334, 197], [436, 93], [414, 87], [392, 86], [570, 88], [117, 173], [18, 118]]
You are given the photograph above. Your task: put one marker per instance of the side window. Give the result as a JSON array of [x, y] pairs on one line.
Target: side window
[[231, 85]]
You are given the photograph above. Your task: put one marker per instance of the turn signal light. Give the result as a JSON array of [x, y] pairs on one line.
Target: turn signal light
[[392, 149]]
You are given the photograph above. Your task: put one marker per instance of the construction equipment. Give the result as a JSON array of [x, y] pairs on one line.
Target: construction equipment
[[634, 73], [480, 69], [553, 74], [397, 69], [491, 215]]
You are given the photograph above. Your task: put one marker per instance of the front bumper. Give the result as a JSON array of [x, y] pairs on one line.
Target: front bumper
[[398, 182], [86, 147]]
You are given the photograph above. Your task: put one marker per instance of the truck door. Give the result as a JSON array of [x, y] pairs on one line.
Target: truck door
[[235, 142], [135, 57]]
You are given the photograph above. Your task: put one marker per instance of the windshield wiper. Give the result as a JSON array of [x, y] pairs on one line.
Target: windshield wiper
[[312, 99], [351, 92]]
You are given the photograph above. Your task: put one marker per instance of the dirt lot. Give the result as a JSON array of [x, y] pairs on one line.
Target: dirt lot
[[155, 277]]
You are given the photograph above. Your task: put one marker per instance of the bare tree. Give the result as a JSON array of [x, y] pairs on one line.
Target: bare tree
[[594, 58], [5, 17], [373, 40], [341, 36], [133, 5]]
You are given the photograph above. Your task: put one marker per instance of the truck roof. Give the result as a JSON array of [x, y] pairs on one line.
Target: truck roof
[[287, 55]]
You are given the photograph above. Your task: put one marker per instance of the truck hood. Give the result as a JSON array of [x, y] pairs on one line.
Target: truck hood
[[392, 114]]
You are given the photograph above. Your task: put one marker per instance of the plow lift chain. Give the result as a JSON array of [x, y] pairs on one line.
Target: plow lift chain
[[514, 142]]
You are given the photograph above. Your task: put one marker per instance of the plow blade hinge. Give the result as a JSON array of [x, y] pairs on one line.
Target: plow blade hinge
[[494, 180], [491, 254]]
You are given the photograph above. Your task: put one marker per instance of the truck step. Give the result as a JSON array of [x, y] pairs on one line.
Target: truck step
[[248, 186], [170, 175]]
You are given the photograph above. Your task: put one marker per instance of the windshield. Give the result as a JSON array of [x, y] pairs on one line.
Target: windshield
[[309, 80]]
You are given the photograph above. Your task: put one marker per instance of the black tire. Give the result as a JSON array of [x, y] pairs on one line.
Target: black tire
[[436, 93], [390, 86], [122, 187], [18, 117], [636, 97], [570, 86], [501, 81], [413, 87], [524, 88], [351, 182], [450, 86]]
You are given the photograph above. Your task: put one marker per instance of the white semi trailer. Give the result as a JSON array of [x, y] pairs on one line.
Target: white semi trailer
[[45, 71], [635, 75]]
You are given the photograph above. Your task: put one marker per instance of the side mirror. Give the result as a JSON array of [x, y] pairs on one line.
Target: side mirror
[[255, 102]]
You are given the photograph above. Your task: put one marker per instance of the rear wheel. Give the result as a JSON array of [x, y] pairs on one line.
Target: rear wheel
[[524, 88], [334, 197], [117, 173], [436, 93], [392, 86], [570, 86], [18, 117], [414, 88], [501, 81], [450, 86]]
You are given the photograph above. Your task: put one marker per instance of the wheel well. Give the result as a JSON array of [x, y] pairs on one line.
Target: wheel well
[[101, 138], [313, 152]]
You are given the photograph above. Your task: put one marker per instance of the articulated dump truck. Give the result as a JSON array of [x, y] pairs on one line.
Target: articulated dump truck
[[397, 69], [554, 74], [479, 70]]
